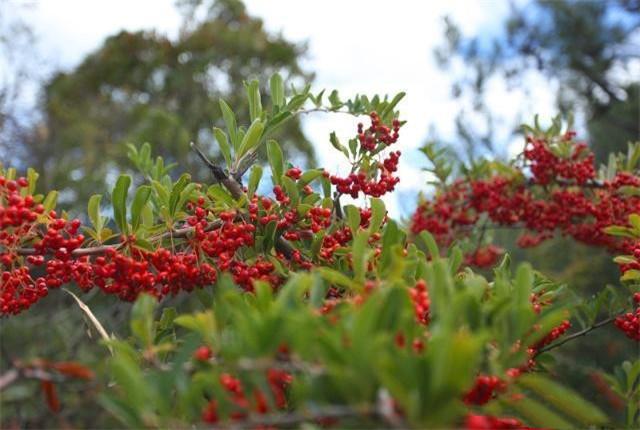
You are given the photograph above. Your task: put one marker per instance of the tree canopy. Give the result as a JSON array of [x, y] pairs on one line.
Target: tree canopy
[[147, 87]]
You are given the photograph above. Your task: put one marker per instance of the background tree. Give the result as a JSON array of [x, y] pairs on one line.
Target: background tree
[[20, 70], [588, 47], [145, 87]]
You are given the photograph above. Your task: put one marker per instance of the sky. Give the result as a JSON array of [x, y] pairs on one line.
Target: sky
[[366, 47]]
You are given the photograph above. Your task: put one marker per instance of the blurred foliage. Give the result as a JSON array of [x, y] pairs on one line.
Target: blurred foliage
[[588, 47], [19, 68], [145, 87]]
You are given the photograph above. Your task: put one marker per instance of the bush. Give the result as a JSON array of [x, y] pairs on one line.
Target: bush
[[313, 311]]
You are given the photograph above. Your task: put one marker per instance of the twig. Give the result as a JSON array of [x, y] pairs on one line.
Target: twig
[[234, 187], [92, 318], [577, 334], [325, 110], [96, 250]]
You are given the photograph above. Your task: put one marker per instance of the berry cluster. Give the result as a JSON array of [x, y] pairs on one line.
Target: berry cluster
[[547, 166], [421, 302], [629, 323], [554, 334], [361, 183], [20, 220], [562, 196], [487, 422], [377, 134], [484, 389], [278, 380], [372, 140]]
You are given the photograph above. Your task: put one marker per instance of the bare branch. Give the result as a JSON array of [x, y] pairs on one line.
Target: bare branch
[[577, 334]]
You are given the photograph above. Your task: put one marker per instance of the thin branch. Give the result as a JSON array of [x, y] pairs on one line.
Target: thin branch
[[577, 334], [97, 250], [326, 110]]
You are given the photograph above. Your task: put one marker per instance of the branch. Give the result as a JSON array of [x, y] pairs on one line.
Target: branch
[[577, 334], [326, 110], [97, 250], [220, 175]]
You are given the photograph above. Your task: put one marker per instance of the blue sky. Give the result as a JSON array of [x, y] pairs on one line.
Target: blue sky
[[354, 46]]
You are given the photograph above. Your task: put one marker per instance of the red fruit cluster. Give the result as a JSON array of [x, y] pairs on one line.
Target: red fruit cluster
[[277, 380], [562, 196], [487, 422], [377, 134], [361, 183], [554, 334], [485, 256], [20, 218], [421, 302], [629, 323], [159, 273], [484, 389], [373, 140], [547, 167], [28, 235]]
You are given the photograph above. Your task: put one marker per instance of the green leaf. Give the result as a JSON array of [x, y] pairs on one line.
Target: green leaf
[[353, 218], [431, 244], [142, 324], [203, 323], [392, 104], [254, 179], [309, 176], [251, 139], [274, 153], [631, 275], [565, 399], [634, 220], [292, 190], [539, 415], [139, 200], [162, 192], [50, 201], [277, 90], [616, 230], [185, 195], [220, 195], [176, 191], [333, 138], [230, 121], [255, 103], [336, 278], [276, 121], [378, 212], [119, 201], [93, 210], [360, 255], [32, 178], [225, 149]]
